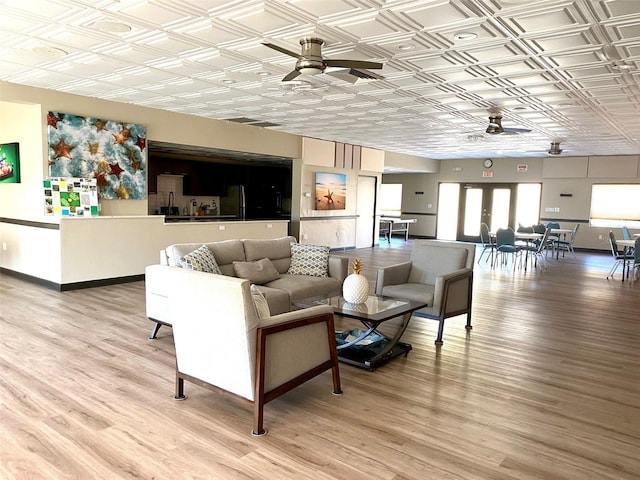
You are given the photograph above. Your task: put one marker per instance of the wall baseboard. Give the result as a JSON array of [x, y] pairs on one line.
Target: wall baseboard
[[72, 286]]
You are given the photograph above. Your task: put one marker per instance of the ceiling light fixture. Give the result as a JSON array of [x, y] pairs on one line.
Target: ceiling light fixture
[[112, 27], [555, 149], [50, 51], [465, 36], [228, 81], [405, 46], [310, 71]]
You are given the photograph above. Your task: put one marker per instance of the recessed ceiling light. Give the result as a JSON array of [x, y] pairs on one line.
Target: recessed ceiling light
[[228, 81], [50, 51], [464, 36], [405, 46], [112, 27], [263, 74]]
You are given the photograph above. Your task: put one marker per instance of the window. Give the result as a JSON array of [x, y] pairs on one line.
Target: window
[[528, 204], [448, 199], [615, 206], [391, 199]]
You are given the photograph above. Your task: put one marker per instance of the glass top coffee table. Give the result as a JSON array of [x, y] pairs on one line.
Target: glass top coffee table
[[368, 348]]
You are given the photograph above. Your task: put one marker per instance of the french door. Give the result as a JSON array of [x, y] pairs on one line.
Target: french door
[[490, 203]]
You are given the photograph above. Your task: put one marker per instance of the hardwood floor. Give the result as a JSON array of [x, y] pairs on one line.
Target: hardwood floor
[[545, 386]]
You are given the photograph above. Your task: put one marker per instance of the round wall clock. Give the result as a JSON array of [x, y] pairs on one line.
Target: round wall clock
[[488, 163]]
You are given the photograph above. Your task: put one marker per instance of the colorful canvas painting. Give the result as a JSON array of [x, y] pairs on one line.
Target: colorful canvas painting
[[71, 197], [111, 152], [9, 162], [331, 191]]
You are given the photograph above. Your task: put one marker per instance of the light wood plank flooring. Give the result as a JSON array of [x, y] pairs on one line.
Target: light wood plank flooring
[[545, 386]]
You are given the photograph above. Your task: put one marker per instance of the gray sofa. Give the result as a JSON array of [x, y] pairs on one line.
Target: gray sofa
[[279, 292]]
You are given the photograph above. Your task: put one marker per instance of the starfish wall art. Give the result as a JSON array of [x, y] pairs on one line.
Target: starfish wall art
[[112, 152], [331, 191]]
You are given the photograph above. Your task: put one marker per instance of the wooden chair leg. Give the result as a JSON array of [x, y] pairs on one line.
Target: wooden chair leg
[[258, 418]]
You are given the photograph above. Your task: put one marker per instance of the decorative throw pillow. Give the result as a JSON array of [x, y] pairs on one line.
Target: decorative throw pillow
[[309, 260], [201, 260], [260, 272], [261, 303]]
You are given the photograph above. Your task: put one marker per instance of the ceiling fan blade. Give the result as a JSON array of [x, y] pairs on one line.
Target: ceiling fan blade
[[516, 130], [281, 50], [291, 75], [353, 75], [362, 64]]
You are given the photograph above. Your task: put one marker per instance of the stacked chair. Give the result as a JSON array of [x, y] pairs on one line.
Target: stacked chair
[[619, 257], [567, 245]]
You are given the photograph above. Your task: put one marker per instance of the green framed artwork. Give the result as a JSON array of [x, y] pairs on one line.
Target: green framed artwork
[[111, 152], [10, 162]]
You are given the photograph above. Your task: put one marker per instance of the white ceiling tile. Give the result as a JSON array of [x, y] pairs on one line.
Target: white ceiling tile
[[546, 55]]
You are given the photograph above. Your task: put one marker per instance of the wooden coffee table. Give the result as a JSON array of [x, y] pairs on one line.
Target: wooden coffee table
[[368, 348]]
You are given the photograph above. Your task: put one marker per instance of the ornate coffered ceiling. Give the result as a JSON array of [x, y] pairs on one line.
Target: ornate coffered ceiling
[[565, 69]]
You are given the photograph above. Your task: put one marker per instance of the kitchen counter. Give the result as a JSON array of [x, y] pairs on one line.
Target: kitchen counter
[[218, 218], [199, 218]]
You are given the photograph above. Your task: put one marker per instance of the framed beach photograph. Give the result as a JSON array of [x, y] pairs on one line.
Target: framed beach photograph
[[331, 191]]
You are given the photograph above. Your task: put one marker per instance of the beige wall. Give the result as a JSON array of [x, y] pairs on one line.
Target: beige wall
[[24, 114], [566, 175], [65, 253]]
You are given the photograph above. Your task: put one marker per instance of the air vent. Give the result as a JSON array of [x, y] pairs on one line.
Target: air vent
[[241, 120], [251, 121]]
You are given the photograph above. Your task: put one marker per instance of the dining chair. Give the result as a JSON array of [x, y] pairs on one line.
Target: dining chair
[[487, 243], [553, 237], [537, 251], [505, 245], [636, 260], [619, 257], [567, 245]]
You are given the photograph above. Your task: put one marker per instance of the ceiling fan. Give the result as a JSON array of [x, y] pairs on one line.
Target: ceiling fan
[[311, 62], [495, 127]]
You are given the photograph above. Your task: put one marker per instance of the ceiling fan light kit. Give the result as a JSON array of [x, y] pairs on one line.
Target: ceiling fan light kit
[[311, 62], [555, 149], [495, 125]]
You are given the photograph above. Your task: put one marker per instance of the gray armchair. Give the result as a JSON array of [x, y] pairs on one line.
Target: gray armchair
[[439, 273]]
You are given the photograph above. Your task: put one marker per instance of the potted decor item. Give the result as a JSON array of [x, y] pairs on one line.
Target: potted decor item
[[355, 288]]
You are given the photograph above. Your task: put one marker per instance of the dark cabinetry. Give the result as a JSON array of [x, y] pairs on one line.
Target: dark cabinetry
[[267, 186], [204, 179]]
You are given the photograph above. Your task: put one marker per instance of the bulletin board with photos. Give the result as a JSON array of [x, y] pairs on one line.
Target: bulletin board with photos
[[71, 197]]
